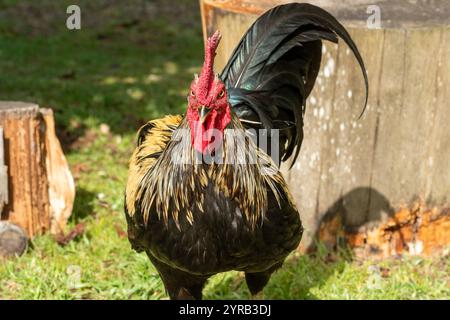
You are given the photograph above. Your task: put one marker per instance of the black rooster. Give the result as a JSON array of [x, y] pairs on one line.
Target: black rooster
[[196, 217]]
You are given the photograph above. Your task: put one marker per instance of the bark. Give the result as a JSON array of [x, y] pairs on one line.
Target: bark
[[40, 186]]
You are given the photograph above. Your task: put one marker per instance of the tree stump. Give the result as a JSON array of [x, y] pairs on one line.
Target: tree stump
[[40, 186], [381, 183]]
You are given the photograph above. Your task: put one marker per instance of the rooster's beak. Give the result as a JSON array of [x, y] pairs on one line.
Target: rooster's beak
[[204, 111]]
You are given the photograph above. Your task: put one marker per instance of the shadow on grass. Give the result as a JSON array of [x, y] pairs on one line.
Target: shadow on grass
[[83, 206], [293, 281], [328, 255]]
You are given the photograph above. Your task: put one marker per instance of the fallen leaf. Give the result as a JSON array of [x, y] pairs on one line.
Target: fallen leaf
[[68, 75], [385, 272], [63, 240], [79, 168], [86, 140], [331, 258], [108, 263], [103, 204], [120, 232]]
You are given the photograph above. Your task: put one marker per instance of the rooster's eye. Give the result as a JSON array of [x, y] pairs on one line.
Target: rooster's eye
[[192, 93], [221, 94]]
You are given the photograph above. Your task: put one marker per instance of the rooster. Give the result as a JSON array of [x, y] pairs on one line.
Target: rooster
[[195, 216]]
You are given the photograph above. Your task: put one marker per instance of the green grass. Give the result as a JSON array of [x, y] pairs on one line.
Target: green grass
[[103, 82], [100, 265]]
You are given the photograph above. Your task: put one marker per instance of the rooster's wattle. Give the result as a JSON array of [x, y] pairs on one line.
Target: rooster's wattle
[[203, 196]]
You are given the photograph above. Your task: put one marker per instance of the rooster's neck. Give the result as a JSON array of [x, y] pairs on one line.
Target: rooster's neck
[[181, 178]]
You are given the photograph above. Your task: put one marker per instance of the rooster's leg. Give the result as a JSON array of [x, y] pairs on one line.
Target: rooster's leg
[[256, 281], [179, 285]]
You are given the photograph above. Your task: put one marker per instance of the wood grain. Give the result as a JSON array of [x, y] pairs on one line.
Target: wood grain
[[31, 154]]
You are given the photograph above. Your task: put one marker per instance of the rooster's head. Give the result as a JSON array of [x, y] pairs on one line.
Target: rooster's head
[[208, 108]]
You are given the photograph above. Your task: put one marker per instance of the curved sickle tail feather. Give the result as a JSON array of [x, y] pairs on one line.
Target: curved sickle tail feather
[[274, 67]]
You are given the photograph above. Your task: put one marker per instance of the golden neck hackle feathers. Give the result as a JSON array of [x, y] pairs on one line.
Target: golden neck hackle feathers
[[165, 174]]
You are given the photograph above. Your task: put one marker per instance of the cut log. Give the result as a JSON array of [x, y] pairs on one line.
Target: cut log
[[61, 185], [13, 240], [364, 173], [40, 186]]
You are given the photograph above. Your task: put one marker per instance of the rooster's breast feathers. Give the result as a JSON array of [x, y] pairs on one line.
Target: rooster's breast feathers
[[206, 218], [167, 178]]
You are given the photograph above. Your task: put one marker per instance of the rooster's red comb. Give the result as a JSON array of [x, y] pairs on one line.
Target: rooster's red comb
[[207, 74]]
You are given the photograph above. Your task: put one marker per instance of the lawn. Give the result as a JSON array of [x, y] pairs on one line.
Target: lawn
[[130, 63]]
